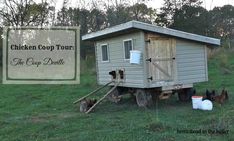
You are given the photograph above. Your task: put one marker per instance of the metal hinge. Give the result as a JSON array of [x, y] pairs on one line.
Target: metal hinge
[[147, 41], [150, 78], [148, 60]]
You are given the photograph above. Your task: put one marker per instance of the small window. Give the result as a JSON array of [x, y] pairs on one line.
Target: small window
[[105, 51], [127, 47]]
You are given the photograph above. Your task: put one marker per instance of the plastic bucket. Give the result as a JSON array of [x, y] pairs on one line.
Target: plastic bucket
[[196, 100], [206, 105], [135, 57]]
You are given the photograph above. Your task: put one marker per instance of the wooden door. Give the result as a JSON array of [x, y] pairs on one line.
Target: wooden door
[[161, 56]]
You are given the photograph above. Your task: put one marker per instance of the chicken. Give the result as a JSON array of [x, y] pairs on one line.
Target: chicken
[[86, 104], [209, 95], [222, 97]]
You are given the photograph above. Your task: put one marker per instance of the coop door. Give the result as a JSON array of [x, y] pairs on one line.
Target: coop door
[[161, 59]]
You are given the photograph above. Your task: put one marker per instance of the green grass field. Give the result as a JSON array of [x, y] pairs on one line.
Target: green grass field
[[46, 112]]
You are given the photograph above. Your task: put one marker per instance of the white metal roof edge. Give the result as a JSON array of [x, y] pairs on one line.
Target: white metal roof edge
[[176, 33], [106, 31], [152, 28]]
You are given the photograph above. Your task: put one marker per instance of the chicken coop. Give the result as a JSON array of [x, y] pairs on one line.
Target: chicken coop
[[169, 61]]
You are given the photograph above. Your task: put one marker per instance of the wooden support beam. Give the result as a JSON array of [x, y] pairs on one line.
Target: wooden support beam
[[110, 91], [91, 93]]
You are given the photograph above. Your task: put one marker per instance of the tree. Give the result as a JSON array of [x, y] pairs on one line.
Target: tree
[[191, 19], [117, 15], [141, 12], [222, 19], [74, 14], [25, 12], [121, 11], [97, 19], [63, 18], [84, 21], [165, 17]]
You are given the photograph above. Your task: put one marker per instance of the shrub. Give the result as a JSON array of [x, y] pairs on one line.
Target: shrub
[[88, 65], [223, 57]]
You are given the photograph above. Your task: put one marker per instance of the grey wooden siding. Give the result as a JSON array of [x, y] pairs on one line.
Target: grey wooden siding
[[134, 73], [191, 62]]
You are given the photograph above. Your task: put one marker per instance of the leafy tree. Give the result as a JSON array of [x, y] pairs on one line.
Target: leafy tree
[[141, 12], [117, 15], [84, 21], [76, 17], [191, 19], [63, 18], [222, 19], [189, 16], [74, 14], [25, 12], [97, 19], [165, 17]]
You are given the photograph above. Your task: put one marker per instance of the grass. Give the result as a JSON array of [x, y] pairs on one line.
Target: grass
[[46, 113]]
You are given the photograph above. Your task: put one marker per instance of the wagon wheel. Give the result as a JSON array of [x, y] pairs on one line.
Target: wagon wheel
[[143, 98], [185, 95], [114, 96]]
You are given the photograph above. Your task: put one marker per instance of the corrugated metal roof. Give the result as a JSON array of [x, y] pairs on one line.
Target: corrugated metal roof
[[151, 28]]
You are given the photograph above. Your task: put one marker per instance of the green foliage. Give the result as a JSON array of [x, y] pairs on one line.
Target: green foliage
[[222, 19], [222, 24], [25, 13], [191, 19], [189, 16], [117, 15], [141, 12], [88, 65], [168, 11], [223, 57], [97, 19]]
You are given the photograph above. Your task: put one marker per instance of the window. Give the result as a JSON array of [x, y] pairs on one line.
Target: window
[[127, 47], [105, 56]]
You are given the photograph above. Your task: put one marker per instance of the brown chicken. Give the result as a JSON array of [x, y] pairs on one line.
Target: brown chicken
[[209, 95], [86, 104], [221, 98]]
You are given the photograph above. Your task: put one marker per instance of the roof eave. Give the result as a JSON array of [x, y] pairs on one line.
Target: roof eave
[[152, 28], [107, 31], [176, 33]]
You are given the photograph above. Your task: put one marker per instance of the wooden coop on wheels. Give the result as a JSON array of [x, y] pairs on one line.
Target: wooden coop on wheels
[[170, 60]]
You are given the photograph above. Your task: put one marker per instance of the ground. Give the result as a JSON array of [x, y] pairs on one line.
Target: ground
[[46, 112]]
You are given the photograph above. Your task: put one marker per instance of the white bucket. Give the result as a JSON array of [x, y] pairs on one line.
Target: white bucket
[[135, 57], [196, 100], [206, 105]]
